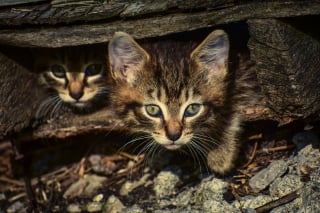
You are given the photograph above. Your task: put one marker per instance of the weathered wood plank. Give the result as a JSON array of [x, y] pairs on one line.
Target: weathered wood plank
[[152, 26], [18, 2], [288, 62], [19, 96], [61, 11]]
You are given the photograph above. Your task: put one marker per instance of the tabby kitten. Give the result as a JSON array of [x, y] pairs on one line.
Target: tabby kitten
[[180, 95], [74, 76]]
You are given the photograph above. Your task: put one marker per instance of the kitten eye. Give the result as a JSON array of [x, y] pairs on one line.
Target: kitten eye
[[192, 110], [93, 69], [58, 71], [153, 110]]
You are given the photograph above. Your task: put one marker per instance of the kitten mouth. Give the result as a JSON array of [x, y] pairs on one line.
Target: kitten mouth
[[79, 104], [172, 146]]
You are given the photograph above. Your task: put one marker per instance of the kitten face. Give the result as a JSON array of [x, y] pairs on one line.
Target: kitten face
[[77, 74], [179, 95]]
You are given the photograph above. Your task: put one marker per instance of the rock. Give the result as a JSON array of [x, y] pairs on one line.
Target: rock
[[97, 198], [214, 206], [17, 207], [183, 199], [73, 208], [129, 186], [283, 186], [310, 196], [94, 207], [211, 188], [113, 205], [308, 156], [133, 209], [85, 186], [266, 176], [165, 182], [250, 202], [2, 196]]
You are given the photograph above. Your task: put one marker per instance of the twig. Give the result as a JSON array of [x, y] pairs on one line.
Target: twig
[[255, 137], [253, 154], [285, 199], [15, 182], [131, 157], [17, 197], [274, 149]]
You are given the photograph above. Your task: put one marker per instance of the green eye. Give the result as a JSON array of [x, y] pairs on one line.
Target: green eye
[[58, 71], [153, 110], [93, 69], [192, 110]]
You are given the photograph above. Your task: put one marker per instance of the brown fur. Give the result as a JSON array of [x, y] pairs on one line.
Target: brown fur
[[172, 76]]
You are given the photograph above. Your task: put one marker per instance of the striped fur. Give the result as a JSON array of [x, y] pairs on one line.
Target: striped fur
[[198, 91], [79, 88]]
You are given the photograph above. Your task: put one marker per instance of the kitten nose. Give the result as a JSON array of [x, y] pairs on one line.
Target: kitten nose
[[173, 130], [76, 94], [174, 135], [76, 90]]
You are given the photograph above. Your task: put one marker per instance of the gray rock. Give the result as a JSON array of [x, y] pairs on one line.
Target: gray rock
[[183, 199], [17, 207], [113, 205], [133, 209], [266, 176], [210, 189], [129, 186], [250, 202], [165, 182], [94, 207], [308, 156], [310, 196], [315, 175], [283, 186], [214, 206], [2, 196], [88, 185], [73, 208], [97, 198]]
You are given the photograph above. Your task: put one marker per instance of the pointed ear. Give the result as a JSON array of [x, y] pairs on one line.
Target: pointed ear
[[126, 57], [212, 55]]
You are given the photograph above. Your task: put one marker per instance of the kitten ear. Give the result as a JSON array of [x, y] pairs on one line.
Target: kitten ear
[[212, 55], [126, 57]]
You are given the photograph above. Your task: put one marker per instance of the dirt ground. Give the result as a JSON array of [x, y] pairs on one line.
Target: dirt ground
[[38, 173]]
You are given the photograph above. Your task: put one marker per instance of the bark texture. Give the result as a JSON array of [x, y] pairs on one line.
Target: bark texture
[[63, 23], [288, 62]]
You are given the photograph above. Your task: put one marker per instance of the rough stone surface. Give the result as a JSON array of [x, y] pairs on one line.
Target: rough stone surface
[[74, 208], [283, 186], [89, 184], [164, 183], [266, 176], [128, 186], [209, 194], [251, 202], [113, 205]]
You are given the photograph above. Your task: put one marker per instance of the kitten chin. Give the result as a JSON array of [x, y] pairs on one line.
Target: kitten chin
[[182, 95], [75, 78]]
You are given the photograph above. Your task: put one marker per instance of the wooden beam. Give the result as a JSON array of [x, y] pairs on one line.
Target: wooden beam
[[288, 62], [152, 25]]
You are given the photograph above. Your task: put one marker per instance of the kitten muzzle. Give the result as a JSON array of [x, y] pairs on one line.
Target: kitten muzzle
[[76, 90]]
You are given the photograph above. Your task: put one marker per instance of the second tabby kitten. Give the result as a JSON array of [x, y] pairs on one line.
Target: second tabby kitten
[[74, 76], [180, 95]]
